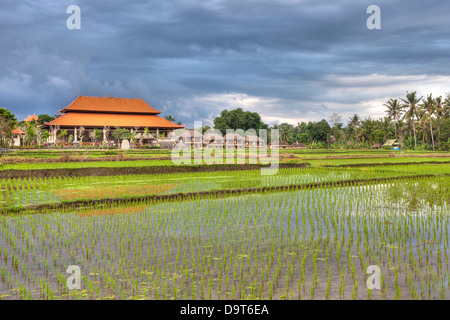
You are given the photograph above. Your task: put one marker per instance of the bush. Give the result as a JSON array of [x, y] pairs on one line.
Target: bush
[[65, 157]]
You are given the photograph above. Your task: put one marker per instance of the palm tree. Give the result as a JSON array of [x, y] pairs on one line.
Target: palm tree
[[429, 109], [386, 126], [446, 106], [353, 125], [367, 127], [439, 112], [284, 134], [394, 110], [170, 118], [410, 103]]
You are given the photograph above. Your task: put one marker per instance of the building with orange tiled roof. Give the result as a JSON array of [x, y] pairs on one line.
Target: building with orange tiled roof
[[31, 118], [16, 137], [85, 114]]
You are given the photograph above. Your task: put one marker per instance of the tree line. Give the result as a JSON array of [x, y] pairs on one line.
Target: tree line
[[417, 122]]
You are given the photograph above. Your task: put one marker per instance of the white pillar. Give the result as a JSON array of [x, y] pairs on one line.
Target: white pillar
[[104, 134], [157, 134], [76, 135]]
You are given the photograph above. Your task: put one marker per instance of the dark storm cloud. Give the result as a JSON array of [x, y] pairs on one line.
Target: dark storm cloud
[[287, 59]]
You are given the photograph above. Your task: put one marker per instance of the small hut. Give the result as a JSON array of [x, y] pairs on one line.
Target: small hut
[[377, 145], [212, 139], [234, 141], [253, 141], [191, 138], [393, 143], [281, 144], [299, 145], [17, 137]]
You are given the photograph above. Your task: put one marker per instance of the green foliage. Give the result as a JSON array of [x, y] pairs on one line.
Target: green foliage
[[8, 122], [44, 118], [377, 135], [239, 119], [320, 131], [121, 133]]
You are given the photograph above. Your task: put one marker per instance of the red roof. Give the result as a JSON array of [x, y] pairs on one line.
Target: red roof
[[15, 131], [31, 118], [299, 145], [78, 119], [110, 104]]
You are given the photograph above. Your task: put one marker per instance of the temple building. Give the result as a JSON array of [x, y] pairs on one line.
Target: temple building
[[85, 114], [31, 118]]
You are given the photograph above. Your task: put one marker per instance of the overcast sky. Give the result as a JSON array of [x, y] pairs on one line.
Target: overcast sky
[[289, 60]]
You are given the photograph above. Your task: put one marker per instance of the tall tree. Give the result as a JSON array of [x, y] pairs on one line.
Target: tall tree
[[8, 122], [394, 110], [285, 134], [335, 119], [353, 126], [320, 131], [410, 103], [446, 106], [439, 111], [44, 118], [367, 126], [170, 118], [428, 108], [239, 119]]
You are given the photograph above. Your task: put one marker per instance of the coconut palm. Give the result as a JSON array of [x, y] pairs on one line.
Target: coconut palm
[[170, 118], [446, 106], [394, 110], [439, 112], [410, 103], [386, 126], [284, 134], [367, 127], [428, 108], [353, 125]]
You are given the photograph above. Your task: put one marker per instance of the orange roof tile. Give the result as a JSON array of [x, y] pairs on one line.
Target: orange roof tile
[[14, 131], [17, 131], [31, 118], [77, 119], [110, 104]]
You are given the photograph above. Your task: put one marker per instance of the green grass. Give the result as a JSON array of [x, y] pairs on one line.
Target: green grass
[[87, 164], [57, 189], [45, 190], [339, 162], [146, 163]]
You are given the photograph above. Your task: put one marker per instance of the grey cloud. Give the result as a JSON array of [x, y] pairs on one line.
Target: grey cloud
[[301, 54]]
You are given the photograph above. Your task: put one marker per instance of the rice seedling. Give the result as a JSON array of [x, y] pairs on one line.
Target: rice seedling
[[309, 243]]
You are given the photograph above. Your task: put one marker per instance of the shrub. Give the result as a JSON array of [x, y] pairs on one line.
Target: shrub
[[65, 157]]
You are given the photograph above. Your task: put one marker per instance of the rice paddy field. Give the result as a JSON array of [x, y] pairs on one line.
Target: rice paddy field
[[303, 233]]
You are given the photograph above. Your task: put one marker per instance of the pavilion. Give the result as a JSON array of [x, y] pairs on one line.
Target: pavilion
[[86, 114]]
